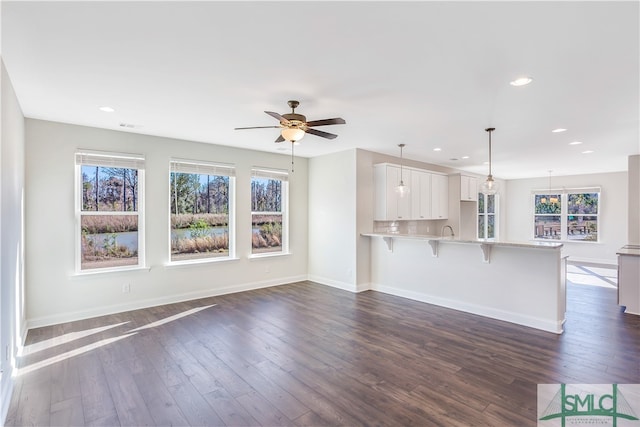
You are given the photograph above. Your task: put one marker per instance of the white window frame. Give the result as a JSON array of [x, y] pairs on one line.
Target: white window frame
[[283, 176], [115, 160], [496, 225], [564, 212], [200, 167]]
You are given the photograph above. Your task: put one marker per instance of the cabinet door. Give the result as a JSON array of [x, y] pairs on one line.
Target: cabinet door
[[389, 206], [468, 188], [439, 196], [399, 206], [420, 195]]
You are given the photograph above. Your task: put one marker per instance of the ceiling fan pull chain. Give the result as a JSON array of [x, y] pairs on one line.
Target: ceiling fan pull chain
[[292, 144]]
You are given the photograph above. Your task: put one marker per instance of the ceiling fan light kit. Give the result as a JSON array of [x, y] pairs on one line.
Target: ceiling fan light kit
[[292, 134]]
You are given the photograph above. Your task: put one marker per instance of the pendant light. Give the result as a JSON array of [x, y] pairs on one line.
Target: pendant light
[[489, 187], [401, 188], [551, 198]]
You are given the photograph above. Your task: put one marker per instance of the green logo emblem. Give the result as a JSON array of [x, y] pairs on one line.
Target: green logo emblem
[[580, 406]]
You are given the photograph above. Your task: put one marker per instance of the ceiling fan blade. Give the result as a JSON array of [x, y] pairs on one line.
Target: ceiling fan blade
[[277, 116], [259, 127], [321, 133], [336, 121], [279, 139]]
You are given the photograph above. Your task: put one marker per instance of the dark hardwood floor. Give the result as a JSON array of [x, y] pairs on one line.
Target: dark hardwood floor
[[307, 354]]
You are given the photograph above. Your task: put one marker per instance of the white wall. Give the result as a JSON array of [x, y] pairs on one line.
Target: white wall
[[613, 213], [634, 200], [364, 217], [54, 294], [332, 214], [12, 324]]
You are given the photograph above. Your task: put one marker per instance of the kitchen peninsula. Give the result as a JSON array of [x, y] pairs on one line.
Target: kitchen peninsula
[[518, 282]]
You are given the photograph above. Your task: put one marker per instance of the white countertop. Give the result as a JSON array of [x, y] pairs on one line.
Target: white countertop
[[632, 250], [447, 239]]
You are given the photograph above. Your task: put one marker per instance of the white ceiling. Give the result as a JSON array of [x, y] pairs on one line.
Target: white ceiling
[[427, 74]]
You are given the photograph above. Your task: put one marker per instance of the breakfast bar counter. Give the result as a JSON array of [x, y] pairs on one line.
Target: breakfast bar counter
[[518, 282]]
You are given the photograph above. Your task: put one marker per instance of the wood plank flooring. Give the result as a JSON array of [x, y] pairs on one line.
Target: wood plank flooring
[[310, 355]]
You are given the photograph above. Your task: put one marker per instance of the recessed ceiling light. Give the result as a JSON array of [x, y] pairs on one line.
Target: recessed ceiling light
[[453, 159], [587, 152], [465, 157], [437, 149], [559, 130], [485, 163], [575, 143], [106, 109], [521, 81]]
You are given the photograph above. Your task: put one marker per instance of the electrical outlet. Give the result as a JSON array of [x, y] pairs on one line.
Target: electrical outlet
[[428, 230], [126, 288]]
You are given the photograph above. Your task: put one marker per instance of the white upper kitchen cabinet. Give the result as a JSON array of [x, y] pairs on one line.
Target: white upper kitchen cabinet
[[389, 206], [420, 194], [439, 196], [468, 188]]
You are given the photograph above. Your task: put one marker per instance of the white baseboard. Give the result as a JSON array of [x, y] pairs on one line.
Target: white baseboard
[[508, 316], [593, 262], [152, 302], [339, 285], [363, 287], [5, 394]]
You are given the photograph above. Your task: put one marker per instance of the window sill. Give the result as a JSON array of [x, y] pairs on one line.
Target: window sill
[[580, 242], [195, 262], [102, 271], [268, 255]]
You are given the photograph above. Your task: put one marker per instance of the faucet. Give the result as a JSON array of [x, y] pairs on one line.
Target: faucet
[[449, 227]]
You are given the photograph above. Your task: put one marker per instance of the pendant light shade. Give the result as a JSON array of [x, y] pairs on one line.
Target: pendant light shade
[[489, 186], [401, 188]]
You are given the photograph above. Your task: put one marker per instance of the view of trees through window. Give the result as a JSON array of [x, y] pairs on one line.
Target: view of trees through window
[[266, 214], [547, 216], [109, 217], [571, 216], [486, 216], [199, 216]]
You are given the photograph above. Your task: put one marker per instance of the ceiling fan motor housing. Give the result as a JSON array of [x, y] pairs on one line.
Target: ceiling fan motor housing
[[295, 119]]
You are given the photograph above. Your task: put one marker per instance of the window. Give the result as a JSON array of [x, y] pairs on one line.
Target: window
[[547, 216], [568, 215], [487, 223], [109, 210], [201, 210], [269, 212]]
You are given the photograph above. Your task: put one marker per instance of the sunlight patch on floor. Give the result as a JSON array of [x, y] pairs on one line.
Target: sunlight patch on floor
[[68, 354], [592, 276], [64, 339], [171, 318]]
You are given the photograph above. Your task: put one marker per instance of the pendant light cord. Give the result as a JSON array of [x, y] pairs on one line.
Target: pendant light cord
[[401, 161], [490, 130], [490, 153]]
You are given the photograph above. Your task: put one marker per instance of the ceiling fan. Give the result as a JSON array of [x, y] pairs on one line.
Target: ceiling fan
[[294, 126]]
